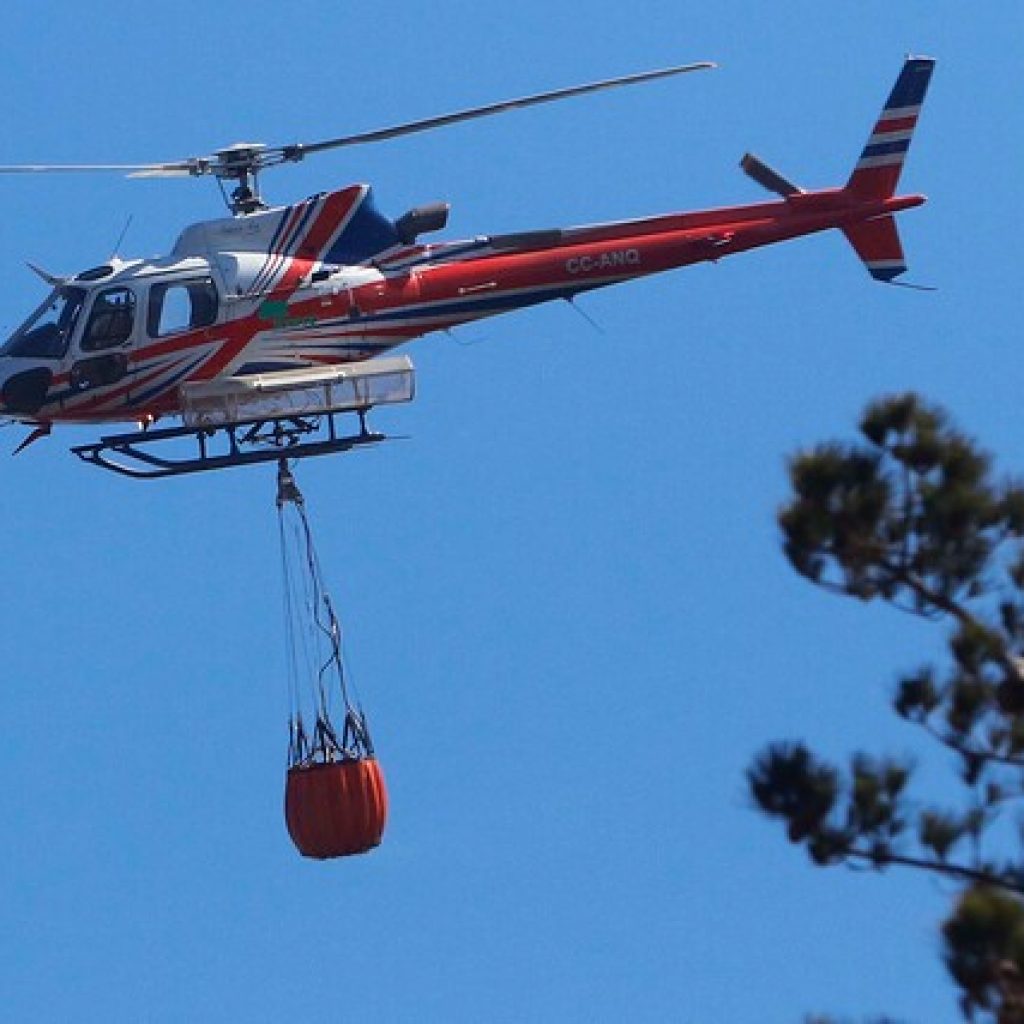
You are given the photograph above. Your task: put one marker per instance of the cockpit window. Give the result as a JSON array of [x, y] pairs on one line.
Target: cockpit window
[[46, 333], [110, 321], [181, 306]]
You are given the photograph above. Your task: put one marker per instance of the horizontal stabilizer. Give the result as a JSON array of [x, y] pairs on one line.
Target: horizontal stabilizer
[[877, 243]]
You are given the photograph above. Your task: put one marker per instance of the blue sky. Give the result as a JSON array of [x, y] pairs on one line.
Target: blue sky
[[565, 604]]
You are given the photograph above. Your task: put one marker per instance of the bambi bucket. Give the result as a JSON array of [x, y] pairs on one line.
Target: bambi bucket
[[336, 809]]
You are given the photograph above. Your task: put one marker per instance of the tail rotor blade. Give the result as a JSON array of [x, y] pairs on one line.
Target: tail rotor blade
[[767, 177]]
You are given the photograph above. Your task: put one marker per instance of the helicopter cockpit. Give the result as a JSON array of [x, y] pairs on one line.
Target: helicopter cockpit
[[91, 325], [171, 307], [47, 332]]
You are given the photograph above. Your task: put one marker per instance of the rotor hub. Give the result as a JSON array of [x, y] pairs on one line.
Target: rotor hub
[[241, 162]]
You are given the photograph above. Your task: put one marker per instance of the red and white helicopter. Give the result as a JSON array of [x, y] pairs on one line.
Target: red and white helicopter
[[258, 330]]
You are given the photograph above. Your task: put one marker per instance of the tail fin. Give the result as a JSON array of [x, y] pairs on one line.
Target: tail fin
[[877, 242], [878, 170]]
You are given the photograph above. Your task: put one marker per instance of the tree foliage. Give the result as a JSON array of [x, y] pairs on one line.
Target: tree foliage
[[912, 514]]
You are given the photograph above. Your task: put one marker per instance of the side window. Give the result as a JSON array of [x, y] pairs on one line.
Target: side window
[[181, 306], [110, 320]]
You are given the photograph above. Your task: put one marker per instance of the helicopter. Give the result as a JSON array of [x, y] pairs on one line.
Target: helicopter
[[262, 328]]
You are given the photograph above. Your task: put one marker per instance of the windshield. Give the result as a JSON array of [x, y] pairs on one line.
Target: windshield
[[46, 333]]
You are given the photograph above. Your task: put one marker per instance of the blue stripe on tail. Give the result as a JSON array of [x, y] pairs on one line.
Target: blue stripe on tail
[[912, 84]]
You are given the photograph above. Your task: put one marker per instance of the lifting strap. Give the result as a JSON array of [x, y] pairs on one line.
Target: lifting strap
[[322, 744]]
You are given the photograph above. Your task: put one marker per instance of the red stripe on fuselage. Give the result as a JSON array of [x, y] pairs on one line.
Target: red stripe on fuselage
[[241, 332], [278, 256], [96, 407], [337, 207]]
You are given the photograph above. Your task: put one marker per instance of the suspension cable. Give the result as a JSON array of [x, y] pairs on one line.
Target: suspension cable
[[323, 666]]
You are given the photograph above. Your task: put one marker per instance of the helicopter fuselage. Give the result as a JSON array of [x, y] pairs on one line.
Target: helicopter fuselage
[[328, 281], [331, 280]]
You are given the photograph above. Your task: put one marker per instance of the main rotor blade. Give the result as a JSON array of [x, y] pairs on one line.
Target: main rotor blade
[[138, 169], [191, 170], [241, 160], [298, 151]]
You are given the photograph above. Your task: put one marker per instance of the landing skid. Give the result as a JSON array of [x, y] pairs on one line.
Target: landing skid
[[224, 446], [265, 417]]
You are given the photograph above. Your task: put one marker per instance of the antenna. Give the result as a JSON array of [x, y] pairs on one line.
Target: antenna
[[120, 237], [571, 299], [911, 285]]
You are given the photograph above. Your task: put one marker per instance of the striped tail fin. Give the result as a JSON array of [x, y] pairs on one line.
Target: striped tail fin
[[878, 170]]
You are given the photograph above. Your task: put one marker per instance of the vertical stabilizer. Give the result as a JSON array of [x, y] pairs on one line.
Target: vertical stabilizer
[[878, 170]]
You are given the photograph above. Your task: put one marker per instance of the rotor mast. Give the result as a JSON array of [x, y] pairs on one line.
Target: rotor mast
[[240, 163]]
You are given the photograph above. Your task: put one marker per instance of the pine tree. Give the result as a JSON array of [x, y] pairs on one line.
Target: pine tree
[[912, 514]]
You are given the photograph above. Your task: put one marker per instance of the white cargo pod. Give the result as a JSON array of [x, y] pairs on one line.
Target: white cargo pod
[[349, 387]]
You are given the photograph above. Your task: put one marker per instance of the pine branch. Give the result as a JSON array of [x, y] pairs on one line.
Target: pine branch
[[966, 751], [961, 614], [961, 872]]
